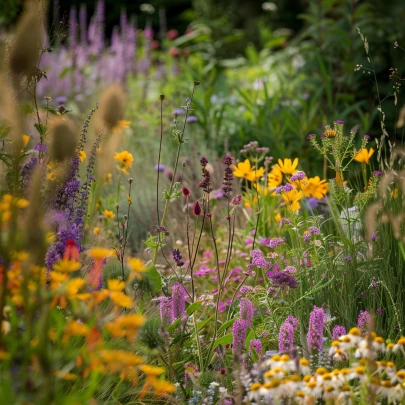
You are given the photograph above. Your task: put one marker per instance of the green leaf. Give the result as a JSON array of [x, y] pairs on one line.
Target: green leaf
[[51, 110], [193, 307], [224, 340], [155, 279], [151, 242], [174, 325], [40, 128], [26, 109], [226, 325]]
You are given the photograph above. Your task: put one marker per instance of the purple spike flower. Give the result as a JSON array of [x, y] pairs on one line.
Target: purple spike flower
[[362, 321], [256, 345], [228, 177], [286, 337], [166, 313], [315, 332], [246, 312], [178, 300], [338, 331], [239, 336]]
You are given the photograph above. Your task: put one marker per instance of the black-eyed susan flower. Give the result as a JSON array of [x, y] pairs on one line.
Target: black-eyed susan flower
[[287, 166], [315, 187], [121, 124], [275, 177], [246, 171], [364, 155], [125, 158]]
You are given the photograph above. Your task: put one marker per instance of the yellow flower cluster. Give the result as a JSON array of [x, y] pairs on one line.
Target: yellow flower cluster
[[8, 204], [125, 159], [286, 377]]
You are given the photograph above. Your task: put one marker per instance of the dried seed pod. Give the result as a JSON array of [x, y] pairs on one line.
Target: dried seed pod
[[64, 139], [112, 106]]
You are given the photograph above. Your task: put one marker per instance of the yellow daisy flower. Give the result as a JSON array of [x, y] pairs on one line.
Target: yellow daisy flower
[[121, 124], [315, 187], [100, 253], [364, 155], [291, 198], [275, 177], [288, 167], [126, 159], [244, 170], [108, 214]]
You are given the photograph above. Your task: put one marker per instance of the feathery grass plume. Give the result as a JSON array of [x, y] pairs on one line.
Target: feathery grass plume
[[112, 107], [64, 139], [28, 40], [34, 225]]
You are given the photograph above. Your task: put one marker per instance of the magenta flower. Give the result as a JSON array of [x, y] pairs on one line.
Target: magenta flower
[[256, 345], [166, 312], [246, 312], [238, 336], [315, 332], [286, 337], [362, 321], [338, 331], [178, 300]]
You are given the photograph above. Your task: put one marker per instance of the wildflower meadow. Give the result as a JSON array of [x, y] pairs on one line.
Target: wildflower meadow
[[202, 202]]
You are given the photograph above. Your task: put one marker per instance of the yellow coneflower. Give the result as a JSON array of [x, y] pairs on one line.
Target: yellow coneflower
[[126, 159], [108, 214]]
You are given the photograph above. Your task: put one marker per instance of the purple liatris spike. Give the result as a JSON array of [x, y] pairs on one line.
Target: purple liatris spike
[[315, 332], [286, 337], [178, 300], [362, 321], [246, 312], [256, 345], [338, 331], [294, 321], [166, 312], [238, 336]]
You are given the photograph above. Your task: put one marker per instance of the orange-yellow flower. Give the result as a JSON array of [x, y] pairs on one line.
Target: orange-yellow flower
[[288, 167], [364, 155], [244, 170], [315, 187], [100, 253], [120, 124], [82, 155], [66, 266], [108, 214], [162, 386], [152, 371], [291, 198], [126, 159], [275, 177]]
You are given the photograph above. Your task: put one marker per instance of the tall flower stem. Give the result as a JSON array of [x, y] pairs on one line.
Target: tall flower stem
[[180, 142]]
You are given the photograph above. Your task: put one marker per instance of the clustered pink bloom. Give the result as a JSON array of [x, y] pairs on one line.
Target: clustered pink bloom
[[286, 337], [246, 312], [315, 332], [258, 260], [338, 331], [178, 300], [238, 336], [298, 176], [362, 321], [166, 311], [256, 345]]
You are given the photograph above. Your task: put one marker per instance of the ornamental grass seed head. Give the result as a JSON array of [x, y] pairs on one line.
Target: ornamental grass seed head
[[112, 108], [64, 139]]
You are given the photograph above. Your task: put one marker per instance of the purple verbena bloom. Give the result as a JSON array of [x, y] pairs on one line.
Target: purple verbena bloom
[[315, 331], [178, 300], [284, 221], [191, 118], [366, 136], [290, 270], [258, 260], [160, 167], [274, 242], [288, 187], [238, 336], [338, 331], [339, 122], [298, 176], [246, 312], [313, 230], [281, 279]]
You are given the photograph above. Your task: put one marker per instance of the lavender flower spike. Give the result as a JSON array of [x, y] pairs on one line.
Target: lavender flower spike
[[166, 313], [239, 336], [178, 301], [338, 331], [256, 345], [362, 322], [246, 312], [286, 337], [315, 332]]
